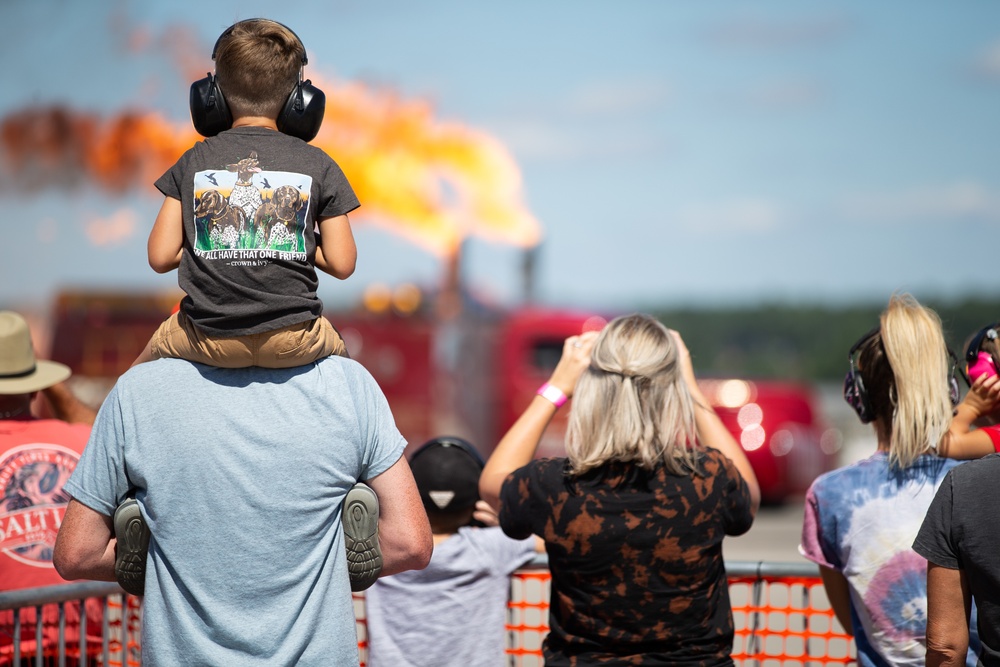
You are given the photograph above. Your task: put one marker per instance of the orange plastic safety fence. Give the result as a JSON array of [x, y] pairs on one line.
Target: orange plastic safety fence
[[780, 621]]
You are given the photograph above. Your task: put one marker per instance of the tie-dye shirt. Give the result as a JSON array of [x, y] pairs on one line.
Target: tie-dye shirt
[[861, 520]]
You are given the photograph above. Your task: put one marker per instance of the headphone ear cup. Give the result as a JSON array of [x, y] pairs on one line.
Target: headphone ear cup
[[303, 112], [209, 111], [857, 397], [953, 391]]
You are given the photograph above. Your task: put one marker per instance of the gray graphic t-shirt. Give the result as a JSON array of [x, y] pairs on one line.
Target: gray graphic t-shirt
[[251, 198]]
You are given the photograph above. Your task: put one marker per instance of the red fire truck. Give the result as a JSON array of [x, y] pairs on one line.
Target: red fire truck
[[469, 374]]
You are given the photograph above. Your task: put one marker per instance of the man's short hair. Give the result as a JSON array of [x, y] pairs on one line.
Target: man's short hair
[[257, 63]]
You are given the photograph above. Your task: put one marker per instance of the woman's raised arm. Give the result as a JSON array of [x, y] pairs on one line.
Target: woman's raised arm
[[517, 447]]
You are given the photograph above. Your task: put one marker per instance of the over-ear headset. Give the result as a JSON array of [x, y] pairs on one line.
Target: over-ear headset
[[300, 117], [978, 362], [854, 387]]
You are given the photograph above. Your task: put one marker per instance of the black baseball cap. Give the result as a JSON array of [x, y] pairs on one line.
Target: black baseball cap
[[447, 471]]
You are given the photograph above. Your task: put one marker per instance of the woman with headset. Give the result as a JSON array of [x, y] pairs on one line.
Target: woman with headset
[[860, 520], [634, 517]]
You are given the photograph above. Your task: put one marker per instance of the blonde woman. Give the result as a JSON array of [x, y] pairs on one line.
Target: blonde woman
[[634, 517], [860, 521]]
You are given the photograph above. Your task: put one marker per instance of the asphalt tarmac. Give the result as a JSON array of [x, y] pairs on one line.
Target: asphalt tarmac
[[774, 536]]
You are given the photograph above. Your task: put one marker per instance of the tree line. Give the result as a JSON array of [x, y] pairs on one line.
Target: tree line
[[805, 343]]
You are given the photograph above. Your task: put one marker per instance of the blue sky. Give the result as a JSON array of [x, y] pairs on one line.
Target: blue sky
[[674, 153]]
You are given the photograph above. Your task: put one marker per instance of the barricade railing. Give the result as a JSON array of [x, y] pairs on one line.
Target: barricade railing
[[780, 613], [781, 616], [65, 638]]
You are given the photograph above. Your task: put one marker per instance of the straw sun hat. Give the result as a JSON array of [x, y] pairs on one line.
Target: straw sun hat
[[20, 372]]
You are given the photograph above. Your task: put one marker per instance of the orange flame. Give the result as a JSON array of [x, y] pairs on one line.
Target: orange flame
[[434, 183]]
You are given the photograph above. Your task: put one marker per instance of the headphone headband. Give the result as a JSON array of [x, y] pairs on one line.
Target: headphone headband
[[300, 117], [976, 344], [229, 30], [854, 387], [864, 339]]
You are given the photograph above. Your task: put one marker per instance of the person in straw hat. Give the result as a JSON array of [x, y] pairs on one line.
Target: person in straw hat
[[36, 457]]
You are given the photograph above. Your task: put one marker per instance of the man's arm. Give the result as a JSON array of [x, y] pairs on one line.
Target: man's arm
[[67, 407], [404, 533], [85, 545], [948, 607]]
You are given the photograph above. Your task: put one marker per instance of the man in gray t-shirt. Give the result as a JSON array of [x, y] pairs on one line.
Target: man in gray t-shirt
[[241, 475], [959, 539]]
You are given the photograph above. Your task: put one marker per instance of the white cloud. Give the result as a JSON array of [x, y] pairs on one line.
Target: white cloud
[[786, 95], [988, 62], [617, 98], [546, 140], [757, 33], [940, 202], [747, 215]]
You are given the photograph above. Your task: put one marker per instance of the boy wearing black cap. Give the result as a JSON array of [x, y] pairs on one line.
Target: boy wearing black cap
[[453, 611]]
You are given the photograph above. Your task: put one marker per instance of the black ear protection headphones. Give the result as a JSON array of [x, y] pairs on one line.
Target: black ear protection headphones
[[854, 387], [300, 117]]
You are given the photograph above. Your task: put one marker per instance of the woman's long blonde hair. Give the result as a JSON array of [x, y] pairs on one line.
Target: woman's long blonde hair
[[632, 403], [905, 368]]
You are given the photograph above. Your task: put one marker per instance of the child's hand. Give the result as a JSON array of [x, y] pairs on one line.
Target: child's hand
[[485, 514], [984, 395]]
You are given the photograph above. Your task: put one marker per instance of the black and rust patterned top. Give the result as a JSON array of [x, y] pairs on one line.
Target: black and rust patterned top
[[636, 559]]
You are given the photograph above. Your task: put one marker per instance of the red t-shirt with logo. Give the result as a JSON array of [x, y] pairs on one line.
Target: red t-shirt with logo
[[37, 456]]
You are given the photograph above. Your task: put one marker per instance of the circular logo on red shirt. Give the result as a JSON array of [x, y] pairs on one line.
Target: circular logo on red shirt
[[32, 500]]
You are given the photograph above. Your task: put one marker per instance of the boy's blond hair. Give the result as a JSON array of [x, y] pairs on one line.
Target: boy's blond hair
[[257, 64], [632, 403]]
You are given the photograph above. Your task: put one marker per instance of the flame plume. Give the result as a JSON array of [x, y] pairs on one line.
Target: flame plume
[[434, 183]]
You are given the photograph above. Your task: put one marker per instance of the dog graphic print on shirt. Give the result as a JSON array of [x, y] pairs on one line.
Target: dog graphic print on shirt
[[242, 212]]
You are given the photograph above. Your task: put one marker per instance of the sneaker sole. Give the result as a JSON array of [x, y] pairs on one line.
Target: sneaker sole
[[360, 520], [133, 546]]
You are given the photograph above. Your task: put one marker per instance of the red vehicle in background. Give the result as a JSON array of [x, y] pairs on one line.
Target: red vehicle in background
[[468, 374]]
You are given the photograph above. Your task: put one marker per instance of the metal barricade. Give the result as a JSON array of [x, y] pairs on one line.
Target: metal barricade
[[69, 610], [781, 617], [780, 612]]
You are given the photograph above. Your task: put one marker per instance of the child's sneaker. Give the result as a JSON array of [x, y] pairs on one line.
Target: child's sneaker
[[133, 545], [360, 519]]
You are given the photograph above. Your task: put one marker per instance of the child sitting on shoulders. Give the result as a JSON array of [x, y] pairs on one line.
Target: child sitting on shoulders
[[248, 215], [240, 215]]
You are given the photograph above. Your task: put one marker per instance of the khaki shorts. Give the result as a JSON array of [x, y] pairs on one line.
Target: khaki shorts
[[295, 345]]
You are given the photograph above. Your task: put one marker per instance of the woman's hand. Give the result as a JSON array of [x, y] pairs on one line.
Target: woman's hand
[[574, 361], [687, 368], [517, 447]]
